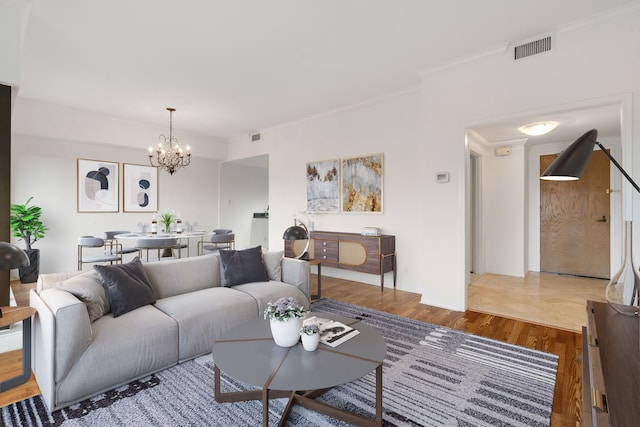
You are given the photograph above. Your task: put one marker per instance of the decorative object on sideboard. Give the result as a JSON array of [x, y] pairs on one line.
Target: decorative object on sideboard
[[623, 289], [25, 224], [12, 257], [298, 231], [371, 231], [169, 156]]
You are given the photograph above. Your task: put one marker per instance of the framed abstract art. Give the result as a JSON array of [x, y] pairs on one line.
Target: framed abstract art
[[323, 186], [97, 186], [139, 188], [362, 183]]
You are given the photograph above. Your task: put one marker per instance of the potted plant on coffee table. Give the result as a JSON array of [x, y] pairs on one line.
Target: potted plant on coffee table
[[286, 320], [25, 223]]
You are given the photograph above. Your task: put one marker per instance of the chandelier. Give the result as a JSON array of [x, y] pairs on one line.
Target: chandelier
[[169, 155]]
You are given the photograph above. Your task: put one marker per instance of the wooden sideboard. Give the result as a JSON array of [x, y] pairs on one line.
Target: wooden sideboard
[[350, 251], [610, 367]]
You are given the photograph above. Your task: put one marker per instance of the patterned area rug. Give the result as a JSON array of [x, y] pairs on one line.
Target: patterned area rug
[[433, 376]]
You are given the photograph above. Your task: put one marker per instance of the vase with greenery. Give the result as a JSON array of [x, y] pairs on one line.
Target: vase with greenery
[[25, 224], [286, 320], [167, 217]]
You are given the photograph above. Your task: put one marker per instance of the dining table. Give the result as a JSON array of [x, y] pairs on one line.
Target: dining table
[[189, 235]]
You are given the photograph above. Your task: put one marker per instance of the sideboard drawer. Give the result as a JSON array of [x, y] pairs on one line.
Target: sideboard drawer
[[325, 250]]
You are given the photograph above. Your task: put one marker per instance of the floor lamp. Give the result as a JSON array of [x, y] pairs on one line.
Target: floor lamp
[[569, 166]]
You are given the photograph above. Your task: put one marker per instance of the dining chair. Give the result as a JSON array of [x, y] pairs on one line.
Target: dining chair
[[180, 246], [94, 242], [221, 239], [113, 246], [164, 246]]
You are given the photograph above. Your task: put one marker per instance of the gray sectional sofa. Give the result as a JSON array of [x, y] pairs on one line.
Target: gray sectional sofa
[[81, 349]]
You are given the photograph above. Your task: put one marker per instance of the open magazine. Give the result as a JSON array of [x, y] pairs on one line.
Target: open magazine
[[332, 333]]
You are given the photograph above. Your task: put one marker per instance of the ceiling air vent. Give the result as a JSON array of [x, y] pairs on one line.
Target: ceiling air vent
[[532, 48], [255, 137]]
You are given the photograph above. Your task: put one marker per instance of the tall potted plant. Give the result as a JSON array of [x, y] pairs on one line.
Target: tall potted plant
[[25, 223]]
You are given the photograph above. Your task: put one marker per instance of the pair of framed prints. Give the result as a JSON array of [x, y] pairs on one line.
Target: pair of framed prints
[[98, 187], [350, 185]]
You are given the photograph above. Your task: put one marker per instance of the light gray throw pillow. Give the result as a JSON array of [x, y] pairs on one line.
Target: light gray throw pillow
[[273, 263], [88, 289]]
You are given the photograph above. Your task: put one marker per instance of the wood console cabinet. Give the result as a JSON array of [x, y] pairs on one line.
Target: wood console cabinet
[[610, 367], [350, 251]]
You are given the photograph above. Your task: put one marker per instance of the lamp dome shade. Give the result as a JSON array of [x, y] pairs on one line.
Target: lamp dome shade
[[12, 257], [572, 162], [295, 232]]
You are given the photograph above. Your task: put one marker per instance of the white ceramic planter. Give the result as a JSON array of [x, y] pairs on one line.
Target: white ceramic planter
[[310, 342], [286, 333]]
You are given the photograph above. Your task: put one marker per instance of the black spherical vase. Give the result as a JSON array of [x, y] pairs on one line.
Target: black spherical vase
[[29, 274]]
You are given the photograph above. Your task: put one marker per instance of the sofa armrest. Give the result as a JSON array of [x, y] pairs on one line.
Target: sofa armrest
[[296, 272], [49, 280], [61, 333]]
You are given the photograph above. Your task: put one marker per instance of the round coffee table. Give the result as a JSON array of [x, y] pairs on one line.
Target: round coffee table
[[248, 353]]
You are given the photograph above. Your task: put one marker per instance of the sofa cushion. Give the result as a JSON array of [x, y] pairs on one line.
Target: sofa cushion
[[202, 316], [266, 292], [179, 276], [122, 349], [88, 289], [243, 266], [273, 263], [126, 285]]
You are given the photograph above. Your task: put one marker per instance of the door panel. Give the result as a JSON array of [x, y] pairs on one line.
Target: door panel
[[575, 221]]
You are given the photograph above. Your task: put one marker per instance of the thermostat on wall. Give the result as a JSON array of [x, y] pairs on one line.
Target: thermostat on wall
[[442, 177]]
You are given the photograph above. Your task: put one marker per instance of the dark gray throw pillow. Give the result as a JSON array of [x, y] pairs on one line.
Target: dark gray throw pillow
[[126, 285], [244, 266]]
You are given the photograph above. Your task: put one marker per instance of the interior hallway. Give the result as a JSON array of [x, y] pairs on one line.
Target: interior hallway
[[542, 298]]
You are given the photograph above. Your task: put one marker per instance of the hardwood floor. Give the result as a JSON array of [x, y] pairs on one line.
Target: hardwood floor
[[562, 342]]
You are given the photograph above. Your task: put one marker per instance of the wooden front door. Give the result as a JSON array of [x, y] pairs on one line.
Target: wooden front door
[[575, 221]]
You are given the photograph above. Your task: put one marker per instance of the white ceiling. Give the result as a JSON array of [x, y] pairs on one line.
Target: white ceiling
[[572, 124], [236, 67]]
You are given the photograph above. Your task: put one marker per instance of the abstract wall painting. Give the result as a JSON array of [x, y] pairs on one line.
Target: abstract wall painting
[[323, 186], [140, 188], [362, 182], [98, 186]]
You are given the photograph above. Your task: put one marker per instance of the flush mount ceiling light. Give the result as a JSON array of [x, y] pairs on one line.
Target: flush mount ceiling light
[[539, 128]]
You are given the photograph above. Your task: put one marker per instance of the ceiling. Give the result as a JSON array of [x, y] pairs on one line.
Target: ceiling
[[232, 68], [572, 124]]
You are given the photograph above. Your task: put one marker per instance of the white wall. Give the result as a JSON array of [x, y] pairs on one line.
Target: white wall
[[243, 191], [504, 212], [581, 67], [13, 18], [46, 168], [424, 133], [390, 126]]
